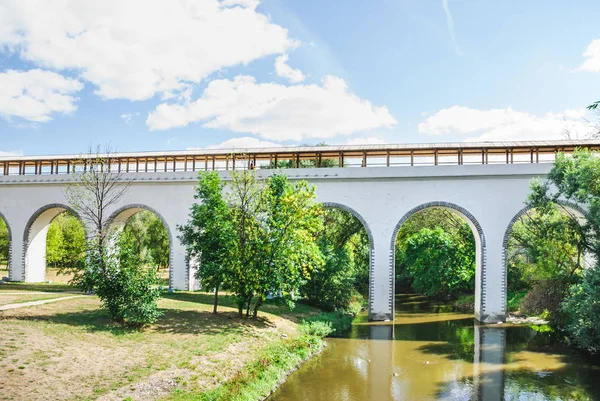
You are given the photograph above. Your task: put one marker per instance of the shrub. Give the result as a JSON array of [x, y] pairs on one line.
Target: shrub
[[127, 290], [581, 311], [338, 321], [316, 328], [544, 296]]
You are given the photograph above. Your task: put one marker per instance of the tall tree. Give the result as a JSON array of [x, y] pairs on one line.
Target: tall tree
[[209, 235], [575, 178]]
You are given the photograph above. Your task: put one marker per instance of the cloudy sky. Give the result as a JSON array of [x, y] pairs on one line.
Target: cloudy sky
[[178, 74]]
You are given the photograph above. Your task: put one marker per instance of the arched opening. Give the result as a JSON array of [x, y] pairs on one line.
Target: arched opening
[[346, 244], [145, 233], [438, 252], [54, 244], [544, 254], [5, 250]]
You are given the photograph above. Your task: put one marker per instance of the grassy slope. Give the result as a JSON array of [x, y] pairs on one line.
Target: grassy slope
[[187, 349]]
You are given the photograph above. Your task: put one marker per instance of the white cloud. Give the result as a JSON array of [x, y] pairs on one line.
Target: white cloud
[[9, 153], [276, 112], [371, 140], [36, 95], [450, 24], [592, 54], [284, 70], [244, 142], [129, 117], [135, 49], [504, 124]]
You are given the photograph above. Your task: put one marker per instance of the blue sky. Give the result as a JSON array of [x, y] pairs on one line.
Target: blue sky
[[166, 75]]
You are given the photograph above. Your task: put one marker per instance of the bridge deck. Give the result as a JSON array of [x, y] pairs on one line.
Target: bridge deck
[[304, 156]]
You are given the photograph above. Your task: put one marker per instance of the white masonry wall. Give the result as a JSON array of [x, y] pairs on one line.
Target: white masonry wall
[[489, 196]]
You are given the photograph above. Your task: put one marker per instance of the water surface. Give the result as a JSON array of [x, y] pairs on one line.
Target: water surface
[[433, 353]]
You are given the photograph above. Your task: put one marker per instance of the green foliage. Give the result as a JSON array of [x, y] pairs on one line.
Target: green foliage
[[127, 289], [575, 178], [453, 245], [543, 246], [258, 241], [209, 235], [582, 307], [337, 321], [438, 264], [4, 242], [146, 234], [345, 247], [317, 328], [65, 243]]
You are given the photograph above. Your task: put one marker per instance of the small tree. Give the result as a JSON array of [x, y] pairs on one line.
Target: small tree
[[209, 234], [125, 288]]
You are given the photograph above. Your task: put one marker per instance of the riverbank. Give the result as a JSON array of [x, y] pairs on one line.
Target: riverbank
[[189, 352]]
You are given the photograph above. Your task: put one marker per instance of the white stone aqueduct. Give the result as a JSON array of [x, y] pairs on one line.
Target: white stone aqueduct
[[489, 196]]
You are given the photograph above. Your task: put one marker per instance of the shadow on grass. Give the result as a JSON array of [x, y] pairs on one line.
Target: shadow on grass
[[272, 306], [173, 321], [43, 287]]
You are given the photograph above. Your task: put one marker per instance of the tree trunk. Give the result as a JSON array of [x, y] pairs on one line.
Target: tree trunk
[[248, 306], [257, 305], [216, 303]]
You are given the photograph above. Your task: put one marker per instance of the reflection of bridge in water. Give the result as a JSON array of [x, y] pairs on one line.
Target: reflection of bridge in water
[[485, 183], [488, 378]]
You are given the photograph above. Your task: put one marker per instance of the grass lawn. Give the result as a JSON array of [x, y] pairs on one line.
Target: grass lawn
[[14, 298], [70, 351]]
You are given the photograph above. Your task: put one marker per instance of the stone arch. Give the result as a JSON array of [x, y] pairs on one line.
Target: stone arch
[[480, 252], [573, 207], [10, 242], [354, 213], [122, 214], [34, 240]]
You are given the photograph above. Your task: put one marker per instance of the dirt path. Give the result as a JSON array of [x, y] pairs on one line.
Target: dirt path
[[34, 303]]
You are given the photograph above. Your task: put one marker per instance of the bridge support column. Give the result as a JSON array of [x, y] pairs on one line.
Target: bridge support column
[[488, 374], [182, 272], [16, 259], [381, 278], [492, 308]]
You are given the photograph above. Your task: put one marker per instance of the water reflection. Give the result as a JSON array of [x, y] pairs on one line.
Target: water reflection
[[433, 353]]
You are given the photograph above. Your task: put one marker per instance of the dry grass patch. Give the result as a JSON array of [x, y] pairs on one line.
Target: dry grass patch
[[70, 350], [18, 298]]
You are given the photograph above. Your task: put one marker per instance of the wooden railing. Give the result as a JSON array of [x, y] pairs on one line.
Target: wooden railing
[[303, 157]]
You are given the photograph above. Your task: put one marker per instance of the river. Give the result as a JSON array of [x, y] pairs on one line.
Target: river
[[433, 353]]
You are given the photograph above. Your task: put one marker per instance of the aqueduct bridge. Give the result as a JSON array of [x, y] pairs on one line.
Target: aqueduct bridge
[[486, 183]]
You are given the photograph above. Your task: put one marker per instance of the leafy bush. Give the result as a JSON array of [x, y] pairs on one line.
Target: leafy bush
[[544, 296], [316, 328], [331, 286], [126, 289], [581, 310], [338, 321], [438, 263]]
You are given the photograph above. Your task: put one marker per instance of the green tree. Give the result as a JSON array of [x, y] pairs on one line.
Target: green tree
[[459, 234], [65, 243], [209, 235], [4, 242], [147, 235], [438, 264], [286, 250], [575, 178]]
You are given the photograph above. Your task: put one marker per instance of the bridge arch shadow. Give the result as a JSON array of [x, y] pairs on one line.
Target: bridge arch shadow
[[34, 240], [9, 265], [480, 251], [120, 216]]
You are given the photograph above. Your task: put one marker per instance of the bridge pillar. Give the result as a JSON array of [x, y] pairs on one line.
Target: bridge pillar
[[492, 308], [488, 371], [381, 277]]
